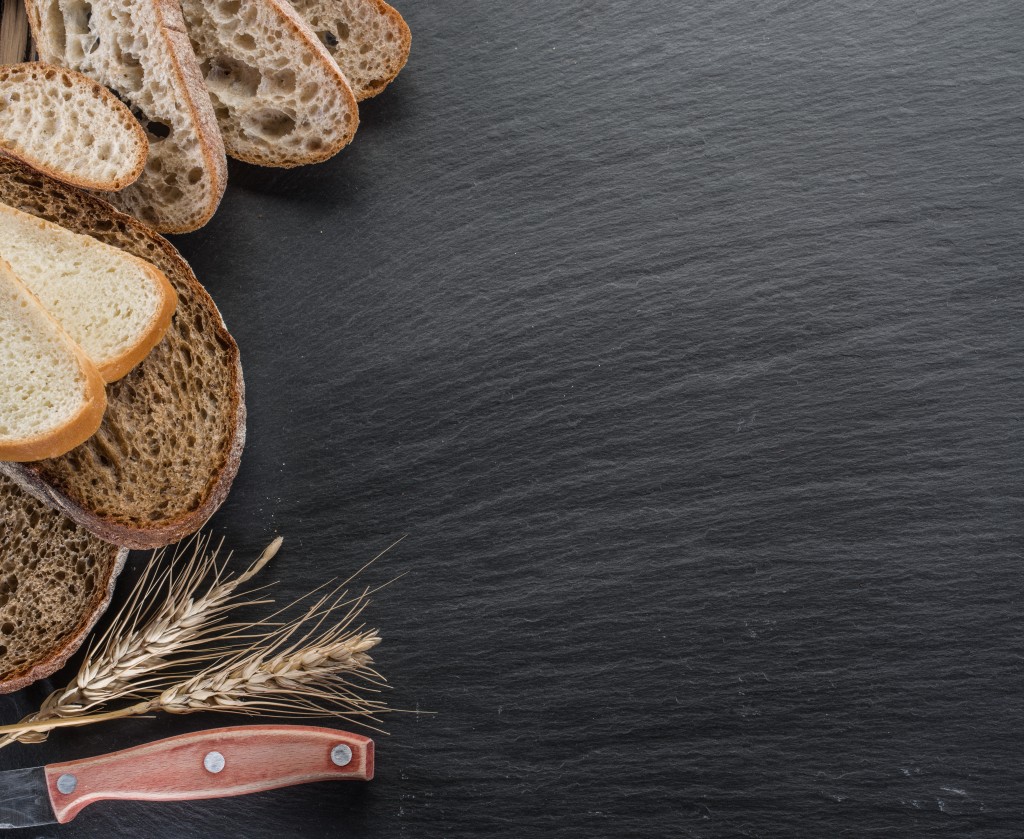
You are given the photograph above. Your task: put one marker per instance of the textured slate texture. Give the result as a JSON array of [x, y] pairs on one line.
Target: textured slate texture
[[684, 341]]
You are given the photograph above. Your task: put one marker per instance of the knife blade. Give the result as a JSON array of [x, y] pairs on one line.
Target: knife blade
[[217, 763]]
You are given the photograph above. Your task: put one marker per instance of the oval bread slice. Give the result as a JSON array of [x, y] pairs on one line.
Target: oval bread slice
[[367, 38], [116, 306], [51, 396], [279, 97], [58, 581], [70, 127]]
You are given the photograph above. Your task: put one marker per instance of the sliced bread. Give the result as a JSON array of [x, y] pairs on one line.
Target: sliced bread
[[170, 443], [279, 97], [139, 49], [368, 38], [57, 580], [70, 127], [116, 306], [51, 395]]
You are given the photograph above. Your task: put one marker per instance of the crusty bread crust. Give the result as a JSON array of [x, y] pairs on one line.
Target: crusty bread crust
[[86, 420], [134, 519], [53, 529], [119, 115]]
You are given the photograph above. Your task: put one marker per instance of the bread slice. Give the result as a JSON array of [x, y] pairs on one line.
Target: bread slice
[[51, 396], [279, 97], [57, 580], [139, 49], [70, 127], [170, 443], [368, 38], [114, 305]]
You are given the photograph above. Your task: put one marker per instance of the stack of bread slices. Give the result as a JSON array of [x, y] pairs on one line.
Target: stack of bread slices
[[122, 413], [269, 82]]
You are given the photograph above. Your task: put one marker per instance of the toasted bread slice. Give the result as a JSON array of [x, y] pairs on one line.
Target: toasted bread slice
[[368, 38], [168, 449], [279, 97], [58, 580], [51, 395], [139, 49], [114, 305], [69, 127]]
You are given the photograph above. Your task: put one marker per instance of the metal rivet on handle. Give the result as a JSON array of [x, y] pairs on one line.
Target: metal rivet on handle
[[341, 755], [214, 762], [67, 783]]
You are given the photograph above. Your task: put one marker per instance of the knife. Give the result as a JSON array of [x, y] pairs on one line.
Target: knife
[[208, 764]]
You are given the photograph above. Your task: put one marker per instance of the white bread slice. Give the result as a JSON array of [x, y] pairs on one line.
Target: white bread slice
[[70, 127], [368, 38], [279, 97], [51, 396], [139, 49], [58, 581], [171, 440], [115, 306]]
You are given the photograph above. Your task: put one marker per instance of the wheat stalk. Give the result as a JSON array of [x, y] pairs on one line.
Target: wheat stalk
[[323, 673], [311, 665]]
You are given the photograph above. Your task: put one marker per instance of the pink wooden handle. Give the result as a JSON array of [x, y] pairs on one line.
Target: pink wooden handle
[[211, 764]]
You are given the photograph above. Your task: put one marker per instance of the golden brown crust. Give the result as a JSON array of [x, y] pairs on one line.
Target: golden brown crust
[[83, 424], [122, 365], [118, 110]]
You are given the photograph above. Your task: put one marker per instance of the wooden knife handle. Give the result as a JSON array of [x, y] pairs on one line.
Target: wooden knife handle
[[211, 764]]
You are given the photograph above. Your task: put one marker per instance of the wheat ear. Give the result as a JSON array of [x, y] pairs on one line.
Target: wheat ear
[[141, 651]]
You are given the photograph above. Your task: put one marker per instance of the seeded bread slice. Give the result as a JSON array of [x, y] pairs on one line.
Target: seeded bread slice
[[279, 97], [139, 49], [51, 395], [70, 127], [57, 579], [368, 38], [115, 306], [170, 443]]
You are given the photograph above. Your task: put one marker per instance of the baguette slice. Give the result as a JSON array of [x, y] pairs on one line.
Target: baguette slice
[[170, 443], [279, 97], [368, 38], [115, 306], [69, 127], [58, 580], [139, 49], [51, 396]]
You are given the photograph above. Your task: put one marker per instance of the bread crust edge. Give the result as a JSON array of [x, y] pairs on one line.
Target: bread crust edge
[[58, 657]]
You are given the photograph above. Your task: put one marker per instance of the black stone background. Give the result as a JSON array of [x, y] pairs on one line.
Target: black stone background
[[683, 341]]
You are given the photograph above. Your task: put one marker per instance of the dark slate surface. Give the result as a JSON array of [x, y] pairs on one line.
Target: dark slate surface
[[684, 341]]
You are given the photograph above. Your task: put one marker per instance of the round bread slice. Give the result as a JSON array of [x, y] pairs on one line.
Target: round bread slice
[[51, 396], [116, 306], [169, 447], [279, 97], [57, 580], [69, 127], [367, 38]]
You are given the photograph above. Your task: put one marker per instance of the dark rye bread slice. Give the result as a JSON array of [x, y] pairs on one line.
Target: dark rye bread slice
[[169, 446], [56, 579]]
